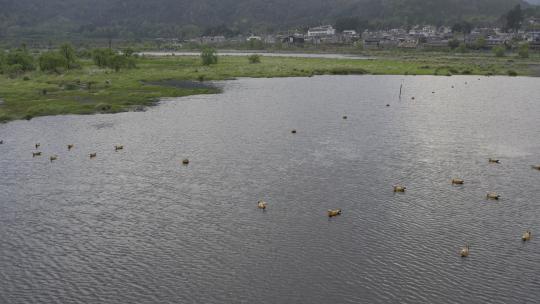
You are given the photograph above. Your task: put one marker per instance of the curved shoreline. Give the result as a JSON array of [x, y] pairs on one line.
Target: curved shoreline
[[92, 90]]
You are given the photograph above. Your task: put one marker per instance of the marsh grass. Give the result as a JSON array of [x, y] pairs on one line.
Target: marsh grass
[[95, 90]]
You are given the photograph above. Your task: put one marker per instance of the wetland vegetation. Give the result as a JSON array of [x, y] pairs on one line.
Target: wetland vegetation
[[102, 81]]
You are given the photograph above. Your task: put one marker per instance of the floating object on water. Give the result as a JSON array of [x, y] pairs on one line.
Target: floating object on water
[[116, 148], [53, 158], [92, 155], [536, 167], [185, 161], [335, 212], [34, 154], [494, 161], [261, 205], [1, 142], [452, 87], [433, 92], [492, 195], [70, 147], [526, 236], [412, 98], [399, 188], [37, 145], [387, 104], [464, 251], [293, 131], [457, 181], [345, 117]]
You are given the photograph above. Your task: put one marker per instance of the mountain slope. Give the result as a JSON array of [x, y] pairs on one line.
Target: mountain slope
[[129, 15]]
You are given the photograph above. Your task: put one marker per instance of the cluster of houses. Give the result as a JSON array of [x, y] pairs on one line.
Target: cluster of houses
[[426, 36]]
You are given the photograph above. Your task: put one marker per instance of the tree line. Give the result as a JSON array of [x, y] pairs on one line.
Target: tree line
[[19, 61]]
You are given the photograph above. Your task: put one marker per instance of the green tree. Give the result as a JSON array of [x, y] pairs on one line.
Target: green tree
[[52, 62], [350, 23], [462, 48], [514, 18], [454, 43], [102, 57], [209, 56], [481, 43], [128, 52], [117, 62], [14, 70], [499, 51], [107, 58], [68, 52], [255, 44], [2, 61], [22, 58], [463, 27], [524, 50]]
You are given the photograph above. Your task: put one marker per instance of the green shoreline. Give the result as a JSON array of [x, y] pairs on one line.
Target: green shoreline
[[90, 90]]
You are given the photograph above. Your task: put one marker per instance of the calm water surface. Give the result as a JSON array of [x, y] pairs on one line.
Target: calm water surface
[[138, 227]]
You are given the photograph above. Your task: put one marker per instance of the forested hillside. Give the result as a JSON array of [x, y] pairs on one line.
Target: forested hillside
[[139, 18]]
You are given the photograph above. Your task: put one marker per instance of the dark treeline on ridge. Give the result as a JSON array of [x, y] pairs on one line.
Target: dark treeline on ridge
[[131, 19]]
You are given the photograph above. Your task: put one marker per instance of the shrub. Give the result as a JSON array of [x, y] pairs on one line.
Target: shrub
[[462, 48], [103, 107], [512, 73], [454, 43], [52, 62], [209, 56], [480, 43], [255, 58], [347, 71], [102, 57], [106, 58], [129, 52], [70, 87], [68, 53], [499, 51], [524, 50], [22, 59], [14, 70], [2, 61]]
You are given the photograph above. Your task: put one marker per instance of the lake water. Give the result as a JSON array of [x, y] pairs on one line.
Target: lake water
[[136, 226], [266, 54]]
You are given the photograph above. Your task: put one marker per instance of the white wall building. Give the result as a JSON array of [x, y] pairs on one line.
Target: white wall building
[[253, 37], [326, 30]]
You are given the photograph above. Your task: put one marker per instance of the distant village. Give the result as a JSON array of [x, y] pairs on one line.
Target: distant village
[[416, 37]]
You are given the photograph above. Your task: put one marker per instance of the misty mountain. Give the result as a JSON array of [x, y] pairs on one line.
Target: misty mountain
[[131, 16]]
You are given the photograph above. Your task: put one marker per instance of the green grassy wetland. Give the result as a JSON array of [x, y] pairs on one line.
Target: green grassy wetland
[[90, 89]]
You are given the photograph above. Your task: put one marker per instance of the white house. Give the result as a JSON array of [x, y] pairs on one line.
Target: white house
[[349, 32], [325, 30], [253, 38]]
